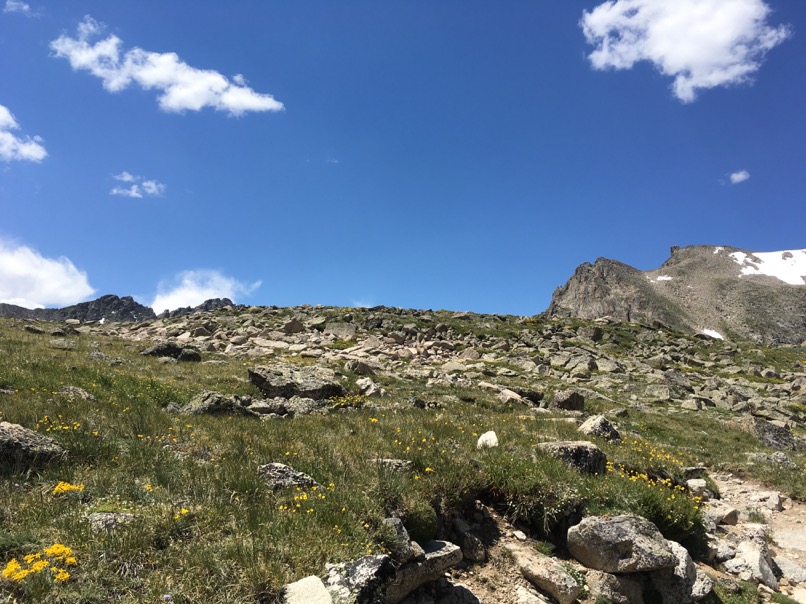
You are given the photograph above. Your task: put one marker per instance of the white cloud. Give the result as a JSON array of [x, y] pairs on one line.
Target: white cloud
[[701, 43], [191, 288], [181, 86], [138, 187], [18, 148], [29, 279], [124, 177], [15, 6], [740, 176]]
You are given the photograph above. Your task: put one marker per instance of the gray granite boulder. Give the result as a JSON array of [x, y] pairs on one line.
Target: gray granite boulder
[[287, 381], [620, 544]]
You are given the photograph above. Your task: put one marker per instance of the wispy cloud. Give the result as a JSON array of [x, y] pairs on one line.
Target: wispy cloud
[[181, 87], [191, 288], [15, 6], [137, 187], [363, 303], [29, 279], [12, 147], [739, 176], [700, 43]]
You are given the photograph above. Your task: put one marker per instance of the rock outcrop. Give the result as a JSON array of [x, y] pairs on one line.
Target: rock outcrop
[[106, 308]]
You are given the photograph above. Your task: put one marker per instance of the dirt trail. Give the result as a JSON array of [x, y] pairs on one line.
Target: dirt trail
[[785, 520]]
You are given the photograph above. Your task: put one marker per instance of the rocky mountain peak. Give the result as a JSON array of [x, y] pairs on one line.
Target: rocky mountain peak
[[719, 290]]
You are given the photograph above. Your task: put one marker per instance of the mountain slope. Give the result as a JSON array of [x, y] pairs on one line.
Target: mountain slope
[[721, 291]]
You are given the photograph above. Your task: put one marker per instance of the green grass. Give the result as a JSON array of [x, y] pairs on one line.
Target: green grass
[[207, 528]]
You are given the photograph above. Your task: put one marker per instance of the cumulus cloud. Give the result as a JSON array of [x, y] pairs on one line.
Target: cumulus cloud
[[739, 176], [13, 147], [137, 187], [191, 288], [15, 6], [700, 43], [29, 279], [181, 87]]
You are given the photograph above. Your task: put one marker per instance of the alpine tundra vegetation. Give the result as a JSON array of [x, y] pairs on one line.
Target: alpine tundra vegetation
[[263, 454]]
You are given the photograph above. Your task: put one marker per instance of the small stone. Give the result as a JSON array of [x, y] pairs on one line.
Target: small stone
[[488, 440]]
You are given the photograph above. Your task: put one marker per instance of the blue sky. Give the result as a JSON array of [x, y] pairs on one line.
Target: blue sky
[[458, 154]]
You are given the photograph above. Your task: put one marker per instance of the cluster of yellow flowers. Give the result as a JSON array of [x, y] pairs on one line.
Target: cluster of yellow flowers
[[54, 424], [650, 452], [66, 487], [348, 401], [305, 498], [50, 559], [181, 513]]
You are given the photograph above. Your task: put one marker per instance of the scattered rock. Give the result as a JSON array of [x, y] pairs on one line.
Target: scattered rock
[[21, 447], [570, 400], [583, 455], [310, 590], [281, 476], [488, 440], [213, 403], [106, 522], [547, 573], [599, 426], [439, 557]]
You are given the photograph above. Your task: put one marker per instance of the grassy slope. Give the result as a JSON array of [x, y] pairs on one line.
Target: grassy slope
[[208, 529]]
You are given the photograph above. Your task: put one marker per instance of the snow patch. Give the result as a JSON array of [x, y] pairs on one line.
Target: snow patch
[[663, 278], [788, 266], [713, 333], [718, 249]]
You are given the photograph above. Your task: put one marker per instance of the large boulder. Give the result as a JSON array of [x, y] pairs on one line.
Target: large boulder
[[24, 448], [582, 455], [620, 544], [287, 381]]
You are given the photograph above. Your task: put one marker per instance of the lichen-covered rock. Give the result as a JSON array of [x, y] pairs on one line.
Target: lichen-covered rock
[[21, 447], [362, 581], [213, 403], [281, 476], [287, 381], [620, 544], [106, 522], [619, 589]]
